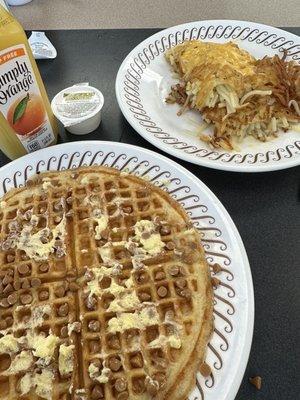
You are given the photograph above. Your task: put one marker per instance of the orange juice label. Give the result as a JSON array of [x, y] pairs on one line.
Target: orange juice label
[[21, 101]]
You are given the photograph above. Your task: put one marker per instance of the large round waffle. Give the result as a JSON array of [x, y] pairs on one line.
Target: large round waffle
[[104, 290]]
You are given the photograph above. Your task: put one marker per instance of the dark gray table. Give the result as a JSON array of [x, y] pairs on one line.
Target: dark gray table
[[265, 208]]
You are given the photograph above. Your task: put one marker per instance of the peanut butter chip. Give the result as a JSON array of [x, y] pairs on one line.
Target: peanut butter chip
[[123, 396], [44, 268], [94, 325], [23, 269], [114, 364], [12, 298], [60, 291], [180, 283], [170, 246], [26, 284], [94, 346], [97, 393], [152, 387], [136, 361], [2, 325], [35, 282], [162, 291], [174, 270], [120, 385], [44, 295], [143, 296], [205, 369], [63, 310], [215, 282], [256, 381], [4, 303], [26, 298], [160, 275], [64, 332], [9, 321]]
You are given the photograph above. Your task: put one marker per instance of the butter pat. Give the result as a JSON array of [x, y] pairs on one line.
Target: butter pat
[[8, 344], [174, 342], [21, 362], [139, 320], [43, 384], [65, 359], [43, 347], [25, 384], [101, 226], [126, 302], [145, 233]]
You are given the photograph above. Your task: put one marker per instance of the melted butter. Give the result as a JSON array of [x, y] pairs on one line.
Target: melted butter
[[25, 384], [126, 302], [43, 384], [65, 359], [21, 362], [43, 347], [173, 340], [84, 180], [46, 184], [3, 204], [106, 253], [102, 223], [153, 244], [32, 243], [99, 273], [138, 320], [8, 344], [94, 373]]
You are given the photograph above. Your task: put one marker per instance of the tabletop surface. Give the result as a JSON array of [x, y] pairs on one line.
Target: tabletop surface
[[265, 208]]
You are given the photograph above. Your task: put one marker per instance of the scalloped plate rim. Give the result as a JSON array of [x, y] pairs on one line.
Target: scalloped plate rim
[[294, 161], [32, 158]]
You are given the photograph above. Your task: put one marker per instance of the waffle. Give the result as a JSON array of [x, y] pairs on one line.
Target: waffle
[[104, 290]]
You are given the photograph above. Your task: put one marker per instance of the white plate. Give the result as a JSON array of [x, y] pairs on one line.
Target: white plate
[[234, 302], [144, 80]]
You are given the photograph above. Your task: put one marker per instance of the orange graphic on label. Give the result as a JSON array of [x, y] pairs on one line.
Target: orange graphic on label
[[27, 114], [11, 55]]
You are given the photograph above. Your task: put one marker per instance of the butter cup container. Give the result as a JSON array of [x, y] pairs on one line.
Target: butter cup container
[[78, 108]]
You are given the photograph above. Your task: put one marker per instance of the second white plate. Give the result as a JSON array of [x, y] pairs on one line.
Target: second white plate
[[144, 80]]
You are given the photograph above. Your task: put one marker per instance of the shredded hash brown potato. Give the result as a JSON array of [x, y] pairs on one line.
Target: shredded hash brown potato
[[239, 95]]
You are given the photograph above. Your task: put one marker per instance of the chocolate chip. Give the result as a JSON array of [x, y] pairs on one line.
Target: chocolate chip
[[35, 282], [143, 296], [97, 393], [136, 361], [74, 175], [180, 283], [63, 310], [71, 276], [17, 285], [12, 298], [94, 346], [142, 277], [120, 385], [57, 219], [174, 270], [69, 200], [123, 396], [44, 295], [160, 275], [165, 230], [76, 327], [44, 268], [205, 369], [170, 246], [114, 364], [91, 303], [256, 381], [58, 205], [26, 298], [127, 209], [60, 291], [64, 332], [94, 325], [216, 268], [162, 291], [23, 269]]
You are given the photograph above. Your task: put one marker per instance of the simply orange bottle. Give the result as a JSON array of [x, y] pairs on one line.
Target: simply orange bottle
[[26, 119]]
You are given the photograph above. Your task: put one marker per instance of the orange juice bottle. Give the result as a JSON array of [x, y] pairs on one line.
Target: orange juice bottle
[[26, 119]]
